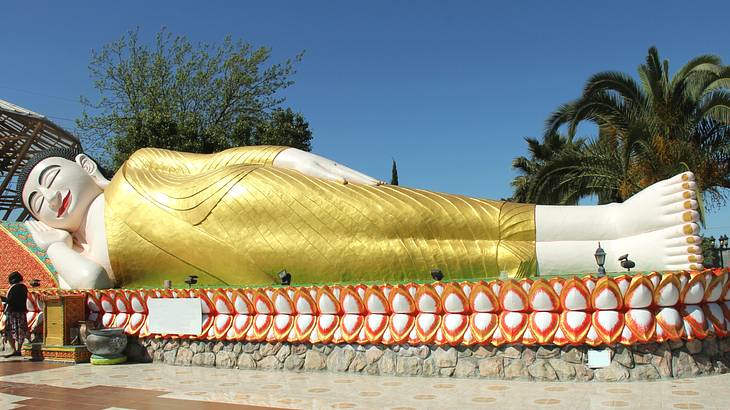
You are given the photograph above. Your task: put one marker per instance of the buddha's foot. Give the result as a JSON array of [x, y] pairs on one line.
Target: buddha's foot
[[657, 228], [662, 222]]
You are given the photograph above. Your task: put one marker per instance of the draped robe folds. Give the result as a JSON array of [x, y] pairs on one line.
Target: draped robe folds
[[232, 218]]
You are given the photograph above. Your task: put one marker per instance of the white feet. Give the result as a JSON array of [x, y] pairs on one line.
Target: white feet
[[657, 228], [668, 203], [661, 226]]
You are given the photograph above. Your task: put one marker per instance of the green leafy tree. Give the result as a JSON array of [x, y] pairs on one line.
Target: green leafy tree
[[394, 174], [551, 148], [647, 131], [285, 127], [178, 96], [709, 253]]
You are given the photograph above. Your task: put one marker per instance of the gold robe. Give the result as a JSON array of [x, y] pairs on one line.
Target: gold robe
[[232, 218]]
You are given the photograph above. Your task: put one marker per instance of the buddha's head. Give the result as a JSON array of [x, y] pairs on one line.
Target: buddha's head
[[57, 188]]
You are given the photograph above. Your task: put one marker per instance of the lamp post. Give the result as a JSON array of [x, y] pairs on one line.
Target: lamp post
[[600, 260], [718, 250], [723, 248]]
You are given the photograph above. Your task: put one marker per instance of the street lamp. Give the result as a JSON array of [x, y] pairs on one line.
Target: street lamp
[[600, 260], [718, 250], [723, 247]]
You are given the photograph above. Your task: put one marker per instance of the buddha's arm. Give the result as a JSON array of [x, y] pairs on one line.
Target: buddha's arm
[[320, 167], [309, 164], [76, 270], [184, 163]]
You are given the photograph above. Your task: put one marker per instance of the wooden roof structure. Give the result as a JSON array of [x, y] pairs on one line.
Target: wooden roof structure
[[23, 133]]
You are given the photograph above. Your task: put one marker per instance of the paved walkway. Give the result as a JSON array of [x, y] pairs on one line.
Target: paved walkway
[[30, 385]]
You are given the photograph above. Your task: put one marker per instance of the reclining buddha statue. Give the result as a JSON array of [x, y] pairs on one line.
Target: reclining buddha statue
[[240, 216]]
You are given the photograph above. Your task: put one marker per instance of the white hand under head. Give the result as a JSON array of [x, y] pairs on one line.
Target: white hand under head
[[44, 236]]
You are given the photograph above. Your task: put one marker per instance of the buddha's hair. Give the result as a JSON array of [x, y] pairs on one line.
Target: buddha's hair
[[65, 153]]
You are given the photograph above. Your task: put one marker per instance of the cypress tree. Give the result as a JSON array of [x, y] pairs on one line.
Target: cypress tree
[[394, 174]]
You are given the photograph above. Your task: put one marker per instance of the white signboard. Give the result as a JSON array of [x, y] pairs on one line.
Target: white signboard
[[175, 316], [599, 358]]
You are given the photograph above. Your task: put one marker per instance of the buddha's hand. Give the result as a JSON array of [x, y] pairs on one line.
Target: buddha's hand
[[44, 236], [319, 167]]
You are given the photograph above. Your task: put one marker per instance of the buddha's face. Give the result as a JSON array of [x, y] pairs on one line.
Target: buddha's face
[[59, 193]]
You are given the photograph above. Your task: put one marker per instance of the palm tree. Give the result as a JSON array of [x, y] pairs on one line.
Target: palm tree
[[541, 153], [648, 131]]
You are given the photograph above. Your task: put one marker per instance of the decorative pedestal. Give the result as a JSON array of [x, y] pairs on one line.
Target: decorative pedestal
[[60, 318], [61, 315], [65, 354]]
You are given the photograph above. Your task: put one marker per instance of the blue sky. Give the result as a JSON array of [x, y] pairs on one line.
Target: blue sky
[[448, 89]]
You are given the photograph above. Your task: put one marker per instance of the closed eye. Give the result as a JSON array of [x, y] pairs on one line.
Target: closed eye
[[49, 175], [35, 202]]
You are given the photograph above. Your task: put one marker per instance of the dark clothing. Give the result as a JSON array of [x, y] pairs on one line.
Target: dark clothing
[[16, 328], [17, 298], [16, 323]]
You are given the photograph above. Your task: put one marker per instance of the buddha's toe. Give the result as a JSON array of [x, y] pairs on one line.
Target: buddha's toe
[[683, 251], [681, 178], [683, 241], [685, 266], [690, 229], [680, 205], [680, 218], [684, 259], [678, 198], [677, 192], [679, 188], [678, 235], [690, 216]]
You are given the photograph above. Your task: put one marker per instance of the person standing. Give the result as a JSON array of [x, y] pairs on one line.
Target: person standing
[[16, 322]]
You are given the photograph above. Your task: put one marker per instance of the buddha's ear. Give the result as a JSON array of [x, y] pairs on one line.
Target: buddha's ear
[[89, 165]]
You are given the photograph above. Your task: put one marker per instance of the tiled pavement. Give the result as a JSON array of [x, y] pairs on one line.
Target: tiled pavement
[[28, 385]]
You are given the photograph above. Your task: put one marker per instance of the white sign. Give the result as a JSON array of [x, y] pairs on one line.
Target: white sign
[[174, 316], [599, 358]]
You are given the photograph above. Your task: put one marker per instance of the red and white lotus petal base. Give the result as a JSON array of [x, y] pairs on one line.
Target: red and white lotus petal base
[[573, 310]]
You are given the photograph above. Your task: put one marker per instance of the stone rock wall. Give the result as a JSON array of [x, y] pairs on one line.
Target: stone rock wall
[[509, 362]]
